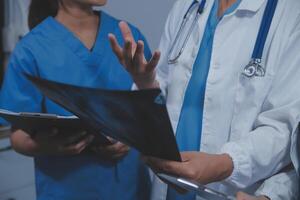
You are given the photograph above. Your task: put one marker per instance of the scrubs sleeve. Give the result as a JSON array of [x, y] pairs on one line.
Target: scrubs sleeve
[[281, 186], [266, 150], [17, 93]]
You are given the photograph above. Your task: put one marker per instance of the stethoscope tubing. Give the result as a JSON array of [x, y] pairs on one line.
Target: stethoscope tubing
[[264, 29], [182, 26], [254, 68]]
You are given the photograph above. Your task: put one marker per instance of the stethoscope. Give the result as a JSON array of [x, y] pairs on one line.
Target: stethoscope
[[254, 68]]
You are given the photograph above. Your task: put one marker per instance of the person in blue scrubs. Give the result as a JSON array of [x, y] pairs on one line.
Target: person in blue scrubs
[[69, 43]]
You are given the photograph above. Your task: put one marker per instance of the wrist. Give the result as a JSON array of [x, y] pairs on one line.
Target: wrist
[[151, 84], [225, 166]]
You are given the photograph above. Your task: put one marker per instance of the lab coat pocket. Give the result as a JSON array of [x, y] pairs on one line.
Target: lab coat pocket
[[250, 96]]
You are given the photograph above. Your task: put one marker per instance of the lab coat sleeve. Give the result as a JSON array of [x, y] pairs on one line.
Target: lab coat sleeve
[[163, 67], [295, 150], [266, 150], [281, 186]]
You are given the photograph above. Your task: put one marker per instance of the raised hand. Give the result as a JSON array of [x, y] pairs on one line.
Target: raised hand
[[132, 57]]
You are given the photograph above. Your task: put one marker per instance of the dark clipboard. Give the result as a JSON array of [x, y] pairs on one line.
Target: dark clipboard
[[33, 122], [192, 186]]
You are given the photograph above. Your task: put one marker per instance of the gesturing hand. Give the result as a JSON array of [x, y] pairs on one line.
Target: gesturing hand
[[132, 57], [201, 167]]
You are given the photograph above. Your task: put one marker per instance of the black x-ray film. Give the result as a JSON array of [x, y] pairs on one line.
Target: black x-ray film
[[136, 118]]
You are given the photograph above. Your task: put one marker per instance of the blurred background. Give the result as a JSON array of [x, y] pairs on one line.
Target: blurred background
[[16, 171]]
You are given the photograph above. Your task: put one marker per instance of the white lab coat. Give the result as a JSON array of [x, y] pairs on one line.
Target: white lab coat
[[250, 119], [15, 23], [283, 186], [295, 151]]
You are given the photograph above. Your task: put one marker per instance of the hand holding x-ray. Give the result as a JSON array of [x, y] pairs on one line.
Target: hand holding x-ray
[[132, 57]]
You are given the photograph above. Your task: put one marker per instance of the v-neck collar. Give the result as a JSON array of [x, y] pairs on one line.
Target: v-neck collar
[[89, 57]]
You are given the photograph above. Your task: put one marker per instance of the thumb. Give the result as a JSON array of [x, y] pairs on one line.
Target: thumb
[[243, 196], [186, 156]]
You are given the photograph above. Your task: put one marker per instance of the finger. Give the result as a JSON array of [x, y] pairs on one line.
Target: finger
[[127, 54], [79, 147], [119, 155], [153, 62], [113, 141], [116, 148], [117, 49], [168, 167], [126, 32], [186, 156], [113, 152], [139, 57], [243, 196]]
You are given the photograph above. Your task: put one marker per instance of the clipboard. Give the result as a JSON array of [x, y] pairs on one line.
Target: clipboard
[[192, 186], [32, 122]]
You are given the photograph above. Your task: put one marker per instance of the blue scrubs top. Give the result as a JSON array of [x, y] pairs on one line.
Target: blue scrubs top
[[52, 52], [192, 109]]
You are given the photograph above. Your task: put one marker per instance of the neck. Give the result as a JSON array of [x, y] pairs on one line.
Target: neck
[[224, 5], [76, 15]]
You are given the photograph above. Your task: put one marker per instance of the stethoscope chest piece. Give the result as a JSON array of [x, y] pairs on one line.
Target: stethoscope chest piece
[[254, 68]]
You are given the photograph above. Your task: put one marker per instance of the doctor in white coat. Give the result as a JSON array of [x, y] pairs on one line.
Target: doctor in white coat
[[246, 119], [15, 23]]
